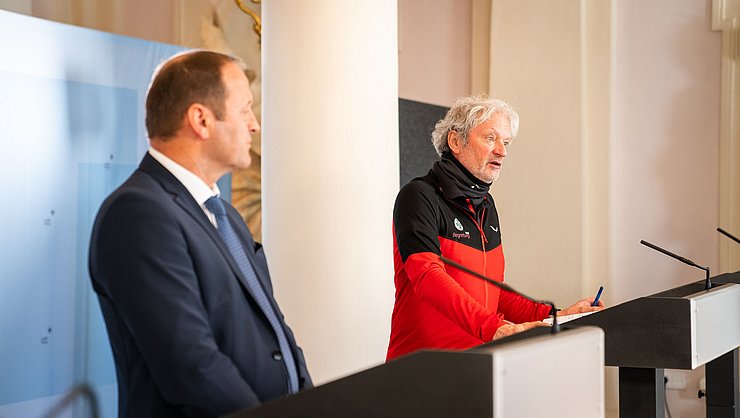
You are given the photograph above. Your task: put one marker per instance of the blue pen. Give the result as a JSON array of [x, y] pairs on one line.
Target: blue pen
[[598, 295]]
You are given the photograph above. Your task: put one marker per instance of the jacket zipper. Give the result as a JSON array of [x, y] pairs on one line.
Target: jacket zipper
[[483, 242], [483, 239]]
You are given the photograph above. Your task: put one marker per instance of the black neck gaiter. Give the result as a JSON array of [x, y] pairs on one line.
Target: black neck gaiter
[[451, 173]]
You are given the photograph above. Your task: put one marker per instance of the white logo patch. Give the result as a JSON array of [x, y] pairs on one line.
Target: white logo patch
[[494, 229], [458, 224]]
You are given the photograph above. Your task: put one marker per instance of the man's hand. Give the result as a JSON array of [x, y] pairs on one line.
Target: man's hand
[[583, 305], [511, 329]]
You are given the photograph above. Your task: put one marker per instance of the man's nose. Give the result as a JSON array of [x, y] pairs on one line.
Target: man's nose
[[253, 125], [500, 149]]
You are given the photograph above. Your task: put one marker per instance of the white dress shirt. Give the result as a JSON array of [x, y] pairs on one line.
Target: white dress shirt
[[195, 185]]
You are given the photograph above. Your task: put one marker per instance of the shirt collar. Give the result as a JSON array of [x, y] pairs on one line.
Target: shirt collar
[[194, 184]]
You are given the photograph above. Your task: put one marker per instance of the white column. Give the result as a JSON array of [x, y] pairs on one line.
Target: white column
[[330, 174]]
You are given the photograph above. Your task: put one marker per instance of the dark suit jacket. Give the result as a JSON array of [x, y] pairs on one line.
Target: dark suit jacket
[[187, 337]]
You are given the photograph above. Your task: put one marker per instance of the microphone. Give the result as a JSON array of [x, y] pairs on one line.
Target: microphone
[[729, 235], [554, 329], [707, 283]]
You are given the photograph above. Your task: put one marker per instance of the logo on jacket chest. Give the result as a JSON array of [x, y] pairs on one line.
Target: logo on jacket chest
[[458, 224], [461, 234], [460, 228]]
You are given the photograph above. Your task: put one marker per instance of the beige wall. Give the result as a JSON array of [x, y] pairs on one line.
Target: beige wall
[[138, 18], [619, 141], [17, 6], [535, 66], [665, 142], [434, 50], [665, 177]]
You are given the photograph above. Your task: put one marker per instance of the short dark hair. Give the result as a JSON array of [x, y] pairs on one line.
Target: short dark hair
[[191, 77]]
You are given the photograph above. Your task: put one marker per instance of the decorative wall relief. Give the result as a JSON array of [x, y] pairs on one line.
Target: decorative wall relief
[[223, 26]]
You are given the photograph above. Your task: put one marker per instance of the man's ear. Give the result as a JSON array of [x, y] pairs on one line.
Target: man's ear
[[200, 120], [454, 142]]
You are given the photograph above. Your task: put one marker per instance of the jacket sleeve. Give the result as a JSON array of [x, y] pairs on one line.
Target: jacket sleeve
[[141, 259], [517, 309], [415, 226]]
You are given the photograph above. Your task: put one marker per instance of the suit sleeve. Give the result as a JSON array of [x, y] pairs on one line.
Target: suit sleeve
[[415, 227], [150, 281]]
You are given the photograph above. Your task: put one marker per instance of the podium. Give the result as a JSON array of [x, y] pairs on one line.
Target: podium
[[516, 377], [681, 328]]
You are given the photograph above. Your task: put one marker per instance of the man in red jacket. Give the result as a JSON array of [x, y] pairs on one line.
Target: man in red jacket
[[450, 213]]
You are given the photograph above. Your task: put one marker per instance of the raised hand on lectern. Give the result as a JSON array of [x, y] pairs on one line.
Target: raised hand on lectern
[[582, 306]]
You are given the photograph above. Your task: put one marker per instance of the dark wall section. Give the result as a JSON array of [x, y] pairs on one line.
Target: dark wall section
[[416, 124]]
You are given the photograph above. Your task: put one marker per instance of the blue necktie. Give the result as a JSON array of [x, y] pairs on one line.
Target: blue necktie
[[236, 249]]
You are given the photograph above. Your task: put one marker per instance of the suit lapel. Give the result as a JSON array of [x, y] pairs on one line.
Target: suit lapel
[[185, 200]]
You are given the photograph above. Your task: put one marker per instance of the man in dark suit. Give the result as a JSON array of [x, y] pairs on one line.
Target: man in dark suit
[[184, 289]]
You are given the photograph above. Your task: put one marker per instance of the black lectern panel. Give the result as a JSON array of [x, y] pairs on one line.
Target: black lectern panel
[[427, 384], [645, 332], [653, 331], [727, 278]]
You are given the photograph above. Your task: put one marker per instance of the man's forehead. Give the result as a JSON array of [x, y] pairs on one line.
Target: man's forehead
[[235, 78], [497, 123]]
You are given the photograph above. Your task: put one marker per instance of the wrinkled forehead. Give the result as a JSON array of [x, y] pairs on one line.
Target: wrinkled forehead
[[497, 122]]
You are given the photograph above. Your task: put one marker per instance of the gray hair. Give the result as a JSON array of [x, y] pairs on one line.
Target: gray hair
[[466, 114]]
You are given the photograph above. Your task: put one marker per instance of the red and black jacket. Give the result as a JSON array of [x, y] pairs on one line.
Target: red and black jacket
[[438, 306]]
